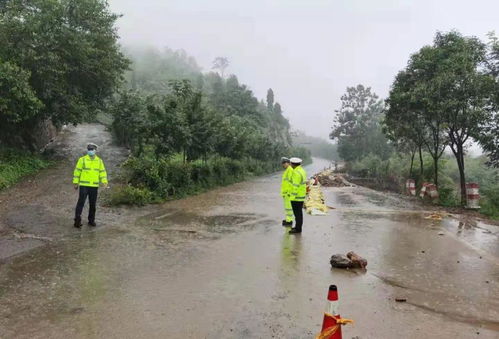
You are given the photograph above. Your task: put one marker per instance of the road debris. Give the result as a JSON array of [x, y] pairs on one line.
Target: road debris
[[357, 260], [340, 261], [329, 179], [437, 216], [350, 260], [401, 300]]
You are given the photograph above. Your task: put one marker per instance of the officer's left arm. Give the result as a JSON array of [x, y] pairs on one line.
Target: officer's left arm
[[294, 184], [103, 173]]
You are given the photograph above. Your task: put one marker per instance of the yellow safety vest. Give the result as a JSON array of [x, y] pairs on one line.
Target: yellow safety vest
[[286, 181], [299, 184], [89, 172]]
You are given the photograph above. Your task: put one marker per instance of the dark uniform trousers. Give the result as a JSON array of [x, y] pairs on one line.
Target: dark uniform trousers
[[298, 212], [91, 192]]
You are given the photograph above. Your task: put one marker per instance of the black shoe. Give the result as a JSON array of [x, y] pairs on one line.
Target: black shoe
[[287, 223], [77, 223], [92, 223], [294, 231]]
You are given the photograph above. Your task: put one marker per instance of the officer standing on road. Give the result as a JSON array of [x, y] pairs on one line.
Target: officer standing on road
[[298, 193], [286, 192], [89, 173]]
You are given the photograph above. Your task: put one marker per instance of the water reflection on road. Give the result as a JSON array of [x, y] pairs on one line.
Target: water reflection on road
[[219, 265]]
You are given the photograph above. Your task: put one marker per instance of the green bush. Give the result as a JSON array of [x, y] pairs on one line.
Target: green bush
[[15, 164], [489, 203], [129, 195], [392, 173], [150, 179]]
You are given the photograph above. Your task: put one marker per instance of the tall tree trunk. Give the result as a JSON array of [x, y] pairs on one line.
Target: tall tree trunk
[[462, 178], [421, 165], [412, 163], [459, 154], [435, 167], [457, 147]]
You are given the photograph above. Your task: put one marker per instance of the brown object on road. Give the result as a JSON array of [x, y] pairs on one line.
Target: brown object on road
[[328, 179], [340, 261], [351, 260], [357, 260]]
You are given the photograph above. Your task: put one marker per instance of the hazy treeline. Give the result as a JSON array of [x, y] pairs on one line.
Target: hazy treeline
[[446, 97], [189, 130], [317, 146], [60, 62]]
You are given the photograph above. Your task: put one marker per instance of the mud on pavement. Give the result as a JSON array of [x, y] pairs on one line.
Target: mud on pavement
[[42, 205], [219, 265]]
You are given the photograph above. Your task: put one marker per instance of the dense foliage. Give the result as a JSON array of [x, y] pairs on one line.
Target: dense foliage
[[447, 93], [59, 61], [189, 131], [15, 165], [446, 98]]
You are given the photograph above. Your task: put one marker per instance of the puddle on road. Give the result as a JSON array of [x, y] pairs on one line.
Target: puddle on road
[[192, 223]]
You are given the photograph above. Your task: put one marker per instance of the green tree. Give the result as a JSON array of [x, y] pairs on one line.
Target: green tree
[[221, 64], [18, 102], [70, 50], [445, 87], [402, 124], [130, 124], [277, 108], [466, 92], [357, 125], [270, 99], [489, 138]]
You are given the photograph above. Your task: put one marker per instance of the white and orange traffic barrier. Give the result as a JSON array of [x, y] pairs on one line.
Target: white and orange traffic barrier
[[424, 188], [473, 195], [331, 325], [432, 192], [429, 190], [410, 186]]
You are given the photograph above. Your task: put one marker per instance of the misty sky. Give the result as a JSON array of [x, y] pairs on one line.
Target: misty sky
[[307, 51]]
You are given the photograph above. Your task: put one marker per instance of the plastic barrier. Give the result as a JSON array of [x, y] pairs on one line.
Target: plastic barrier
[[410, 186], [473, 195]]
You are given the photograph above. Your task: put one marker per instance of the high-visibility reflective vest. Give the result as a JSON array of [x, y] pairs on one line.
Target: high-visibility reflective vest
[[286, 181], [299, 184], [89, 172]]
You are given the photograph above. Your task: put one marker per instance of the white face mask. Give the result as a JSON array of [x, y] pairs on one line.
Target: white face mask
[[91, 152]]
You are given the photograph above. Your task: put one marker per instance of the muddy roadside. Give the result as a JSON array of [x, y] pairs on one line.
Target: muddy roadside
[[39, 210], [462, 214]]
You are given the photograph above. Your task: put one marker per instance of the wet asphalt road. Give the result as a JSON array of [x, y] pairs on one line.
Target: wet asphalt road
[[219, 265]]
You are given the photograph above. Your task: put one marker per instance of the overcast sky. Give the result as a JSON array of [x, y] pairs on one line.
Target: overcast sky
[[307, 51]]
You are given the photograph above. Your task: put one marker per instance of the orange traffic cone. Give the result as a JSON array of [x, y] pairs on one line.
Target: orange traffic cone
[[331, 325]]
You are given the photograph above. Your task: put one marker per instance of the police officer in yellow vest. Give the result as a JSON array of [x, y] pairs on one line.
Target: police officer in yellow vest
[[298, 193], [286, 192], [89, 173]]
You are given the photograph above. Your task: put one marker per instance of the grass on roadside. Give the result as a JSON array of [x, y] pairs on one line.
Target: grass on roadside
[[16, 164]]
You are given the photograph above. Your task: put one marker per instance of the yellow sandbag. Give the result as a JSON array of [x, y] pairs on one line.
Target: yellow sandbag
[[314, 204]]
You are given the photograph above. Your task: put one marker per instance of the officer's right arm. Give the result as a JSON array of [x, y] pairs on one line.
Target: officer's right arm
[[77, 172]]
